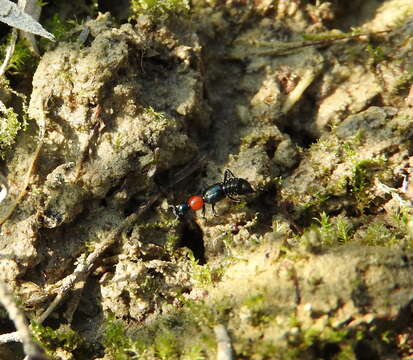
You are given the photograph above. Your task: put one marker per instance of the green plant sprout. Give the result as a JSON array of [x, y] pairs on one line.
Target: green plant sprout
[[22, 59], [150, 112], [333, 231]]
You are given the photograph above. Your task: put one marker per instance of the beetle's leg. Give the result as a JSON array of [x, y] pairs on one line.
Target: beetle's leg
[[213, 210], [233, 199], [405, 184], [203, 211], [227, 174], [173, 208]]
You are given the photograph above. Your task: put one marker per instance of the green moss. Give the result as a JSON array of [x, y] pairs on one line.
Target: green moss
[[240, 206], [205, 275], [403, 82], [377, 54], [153, 115], [62, 338], [331, 36], [194, 353], [362, 178], [115, 340], [355, 173], [302, 343], [9, 127], [257, 139], [159, 9], [163, 231], [228, 239], [330, 231], [388, 337], [385, 231], [351, 146], [61, 29], [254, 301], [22, 60], [166, 345], [324, 222], [171, 243], [201, 313], [260, 311], [378, 233], [343, 229], [182, 334], [314, 341], [118, 142], [317, 200], [260, 350]]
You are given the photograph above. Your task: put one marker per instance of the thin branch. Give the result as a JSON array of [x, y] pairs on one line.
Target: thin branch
[[297, 93], [10, 337], [3, 188], [16, 315], [224, 348], [284, 48], [9, 52], [74, 300], [287, 47]]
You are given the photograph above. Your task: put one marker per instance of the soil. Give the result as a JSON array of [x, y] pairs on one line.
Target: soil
[[314, 114]]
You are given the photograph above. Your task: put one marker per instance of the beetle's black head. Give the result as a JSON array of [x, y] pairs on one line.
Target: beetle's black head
[[244, 187], [180, 210]]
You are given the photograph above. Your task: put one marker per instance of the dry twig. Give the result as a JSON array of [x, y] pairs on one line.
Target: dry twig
[[9, 52], [224, 348], [23, 332], [3, 188]]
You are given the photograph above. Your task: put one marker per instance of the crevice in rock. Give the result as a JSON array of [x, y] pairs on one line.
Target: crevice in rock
[[192, 238]]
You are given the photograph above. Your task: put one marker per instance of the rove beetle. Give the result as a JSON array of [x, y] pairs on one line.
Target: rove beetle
[[228, 188]]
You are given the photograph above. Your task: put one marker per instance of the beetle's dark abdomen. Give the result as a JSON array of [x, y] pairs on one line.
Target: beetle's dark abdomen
[[237, 186], [214, 193]]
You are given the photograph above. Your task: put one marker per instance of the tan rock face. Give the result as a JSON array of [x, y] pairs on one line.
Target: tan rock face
[[318, 121], [108, 122]]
